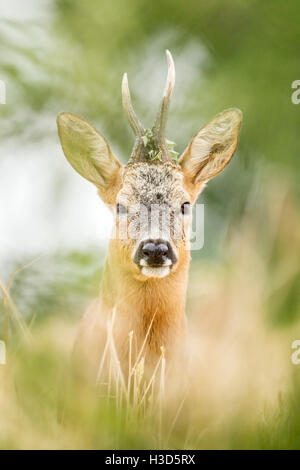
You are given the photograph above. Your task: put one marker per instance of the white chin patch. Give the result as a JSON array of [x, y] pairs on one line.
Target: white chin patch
[[155, 272]]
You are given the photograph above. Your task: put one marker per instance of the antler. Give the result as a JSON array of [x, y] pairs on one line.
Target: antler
[[128, 108], [140, 152], [159, 128]]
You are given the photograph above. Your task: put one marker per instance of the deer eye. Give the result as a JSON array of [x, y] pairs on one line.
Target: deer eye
[[121, 209], [186, 208]]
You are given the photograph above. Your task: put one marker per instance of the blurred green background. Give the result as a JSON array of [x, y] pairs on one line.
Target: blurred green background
[[71, 55]]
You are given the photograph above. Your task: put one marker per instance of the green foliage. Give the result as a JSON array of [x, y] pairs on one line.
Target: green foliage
[[234, 53], [252, 59], [171, 147], [227, 54]]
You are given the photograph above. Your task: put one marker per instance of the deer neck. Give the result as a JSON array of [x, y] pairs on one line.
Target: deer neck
[[158, 304]]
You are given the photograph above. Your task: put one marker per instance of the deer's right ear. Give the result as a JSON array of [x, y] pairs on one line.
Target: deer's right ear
[[87, 151]]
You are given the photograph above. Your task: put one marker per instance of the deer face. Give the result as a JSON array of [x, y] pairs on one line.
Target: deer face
[[154, 207], [152, 195]]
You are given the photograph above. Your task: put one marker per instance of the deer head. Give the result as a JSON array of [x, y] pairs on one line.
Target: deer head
[[151, 183]]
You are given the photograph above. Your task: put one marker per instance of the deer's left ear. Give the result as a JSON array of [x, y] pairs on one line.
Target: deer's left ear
[[210, 151]]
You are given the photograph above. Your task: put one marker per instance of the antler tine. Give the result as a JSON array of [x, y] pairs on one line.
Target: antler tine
[[161, 120], [157, 140], [128, 108], [170, 82]]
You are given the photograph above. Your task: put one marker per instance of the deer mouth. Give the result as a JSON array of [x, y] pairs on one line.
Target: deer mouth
[[155, 271], [155, 268]]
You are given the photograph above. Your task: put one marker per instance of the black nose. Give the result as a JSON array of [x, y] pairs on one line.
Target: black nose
[[155, 253]]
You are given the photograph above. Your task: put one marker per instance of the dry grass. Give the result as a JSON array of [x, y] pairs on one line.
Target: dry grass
[[238, 389]]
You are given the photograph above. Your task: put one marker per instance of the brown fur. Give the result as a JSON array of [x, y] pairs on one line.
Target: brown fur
[[152, 308], [149, 307]]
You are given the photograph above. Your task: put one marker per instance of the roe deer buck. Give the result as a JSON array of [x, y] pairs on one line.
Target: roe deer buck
[[145, 277]]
